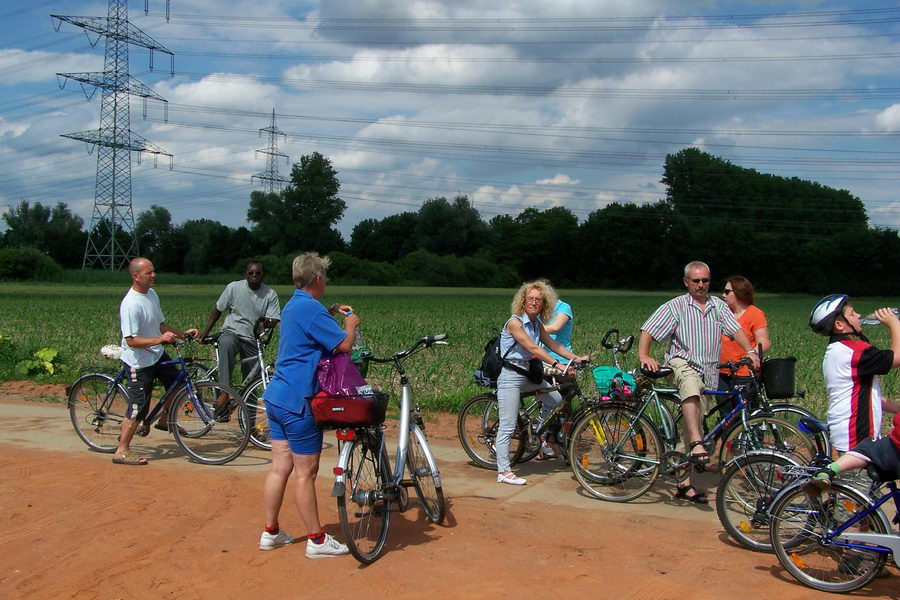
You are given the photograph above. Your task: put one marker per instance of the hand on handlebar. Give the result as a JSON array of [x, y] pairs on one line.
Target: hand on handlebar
[[167, 337]]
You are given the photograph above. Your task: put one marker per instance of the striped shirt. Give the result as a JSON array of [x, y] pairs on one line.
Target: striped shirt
[[695, 334]]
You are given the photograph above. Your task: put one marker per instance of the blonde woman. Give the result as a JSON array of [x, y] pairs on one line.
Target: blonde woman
[[520, 341]]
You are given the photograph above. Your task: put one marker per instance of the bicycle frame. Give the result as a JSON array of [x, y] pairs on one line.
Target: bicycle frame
[[876, 542], [183, 378]]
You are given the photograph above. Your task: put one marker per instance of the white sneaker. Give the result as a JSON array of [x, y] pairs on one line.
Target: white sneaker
[[327, 549], [269, 541], [511, 478], [547, 450]]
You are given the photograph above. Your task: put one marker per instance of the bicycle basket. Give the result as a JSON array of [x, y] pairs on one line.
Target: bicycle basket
[[778, 377], [332, 411]]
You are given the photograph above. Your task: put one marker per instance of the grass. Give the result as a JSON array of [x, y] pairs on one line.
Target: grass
[[78, 320]]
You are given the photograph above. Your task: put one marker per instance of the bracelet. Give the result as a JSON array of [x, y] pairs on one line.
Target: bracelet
[[751, 350]]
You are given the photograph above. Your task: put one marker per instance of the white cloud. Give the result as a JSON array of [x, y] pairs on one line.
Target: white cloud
[[889, 118], [558, 179]]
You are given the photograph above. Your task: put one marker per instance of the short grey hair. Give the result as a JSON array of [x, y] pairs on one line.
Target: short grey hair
[[307, 267], [694, 264]]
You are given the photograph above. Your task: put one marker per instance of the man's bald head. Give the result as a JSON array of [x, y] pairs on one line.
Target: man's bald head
[[142, 275]]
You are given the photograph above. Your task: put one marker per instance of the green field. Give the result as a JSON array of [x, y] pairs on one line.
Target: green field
[[78, 320]]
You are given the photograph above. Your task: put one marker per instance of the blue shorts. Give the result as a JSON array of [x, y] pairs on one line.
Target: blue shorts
[[299, 431]]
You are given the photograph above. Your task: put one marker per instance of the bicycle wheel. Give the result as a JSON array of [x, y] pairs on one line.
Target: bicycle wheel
[[477, 428], [258, 423], [800, 523], [97, 407], [425, 475], [792, 414], [744, 496], [206, 422], [614, 454], [767, 433], [364, 509]]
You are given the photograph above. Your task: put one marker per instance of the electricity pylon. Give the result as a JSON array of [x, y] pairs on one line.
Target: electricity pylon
[[113, 214], [272, 179]]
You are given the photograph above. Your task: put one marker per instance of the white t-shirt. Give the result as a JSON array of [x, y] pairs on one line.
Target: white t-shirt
[[140, 316]]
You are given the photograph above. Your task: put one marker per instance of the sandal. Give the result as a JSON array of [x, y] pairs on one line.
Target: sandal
[[545, 453], [700, 459], [129, 458], [681, 493]]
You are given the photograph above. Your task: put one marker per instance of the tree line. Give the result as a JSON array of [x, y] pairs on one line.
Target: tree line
[[784, 234]]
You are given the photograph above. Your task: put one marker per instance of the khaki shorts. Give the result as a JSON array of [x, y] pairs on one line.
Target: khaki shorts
[[689, 383], [686, 378]]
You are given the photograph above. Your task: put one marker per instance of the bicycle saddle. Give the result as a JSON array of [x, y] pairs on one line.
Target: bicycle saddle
[[663, 372], [812, 426], [210, 339], [880, 475]]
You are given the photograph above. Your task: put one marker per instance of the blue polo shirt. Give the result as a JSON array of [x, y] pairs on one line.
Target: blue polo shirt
[[308, 332], [564, 335]]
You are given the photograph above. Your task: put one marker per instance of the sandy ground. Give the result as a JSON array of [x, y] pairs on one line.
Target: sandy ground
[[73, 525]]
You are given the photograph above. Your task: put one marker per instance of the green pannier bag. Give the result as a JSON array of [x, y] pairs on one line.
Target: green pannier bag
[[610, 379]]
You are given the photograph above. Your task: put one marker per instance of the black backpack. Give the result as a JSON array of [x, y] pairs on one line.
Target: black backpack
[[491, 363]]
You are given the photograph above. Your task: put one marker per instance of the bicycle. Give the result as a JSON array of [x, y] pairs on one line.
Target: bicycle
[[750, 483], [479, 420], [201, 424], [841, 542], [366, 486], [619, 449], [254, 384]]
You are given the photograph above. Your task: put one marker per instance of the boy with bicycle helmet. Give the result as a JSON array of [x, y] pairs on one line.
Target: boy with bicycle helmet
[[851, 366]]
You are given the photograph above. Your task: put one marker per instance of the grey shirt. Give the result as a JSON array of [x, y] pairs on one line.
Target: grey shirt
[[246, 306]]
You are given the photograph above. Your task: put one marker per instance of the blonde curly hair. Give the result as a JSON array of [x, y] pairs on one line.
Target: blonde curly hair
[[547, 292]]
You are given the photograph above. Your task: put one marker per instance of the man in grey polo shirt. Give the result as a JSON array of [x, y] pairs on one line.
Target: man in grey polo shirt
[[694, 324], [246, 301]]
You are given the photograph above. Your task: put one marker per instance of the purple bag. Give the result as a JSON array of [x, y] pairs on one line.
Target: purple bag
[[338, 376]]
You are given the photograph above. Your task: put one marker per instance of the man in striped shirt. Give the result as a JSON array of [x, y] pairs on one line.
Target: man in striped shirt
[[694, 324]]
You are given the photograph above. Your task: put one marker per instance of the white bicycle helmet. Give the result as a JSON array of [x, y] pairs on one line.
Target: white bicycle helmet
[[824, 313]]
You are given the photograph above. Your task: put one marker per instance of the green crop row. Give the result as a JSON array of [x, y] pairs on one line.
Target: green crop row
[[77, 321]]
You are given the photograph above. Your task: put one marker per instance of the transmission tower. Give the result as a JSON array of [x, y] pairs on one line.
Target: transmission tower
[[113, 215], [272, 179]]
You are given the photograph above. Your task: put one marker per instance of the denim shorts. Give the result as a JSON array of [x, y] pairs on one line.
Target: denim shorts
[[299, 431]]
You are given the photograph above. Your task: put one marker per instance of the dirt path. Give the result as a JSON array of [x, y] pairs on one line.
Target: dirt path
[[73, 525]]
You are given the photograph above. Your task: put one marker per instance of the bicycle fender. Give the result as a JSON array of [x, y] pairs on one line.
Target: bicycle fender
[[339, 487], [735, 459]]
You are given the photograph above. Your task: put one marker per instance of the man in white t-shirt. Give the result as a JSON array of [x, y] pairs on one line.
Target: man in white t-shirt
[[144, 331], [245, 301]]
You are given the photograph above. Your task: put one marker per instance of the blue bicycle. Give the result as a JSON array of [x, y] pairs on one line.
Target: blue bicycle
[[209, 422], [834, 539]]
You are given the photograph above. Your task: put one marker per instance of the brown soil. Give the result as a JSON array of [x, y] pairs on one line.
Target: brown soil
[[73, 525]]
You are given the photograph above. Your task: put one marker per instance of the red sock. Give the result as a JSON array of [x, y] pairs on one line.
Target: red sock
[[273, 529], [317, 538]]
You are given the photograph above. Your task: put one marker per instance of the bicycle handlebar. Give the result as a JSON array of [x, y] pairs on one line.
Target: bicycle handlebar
[[424, 342], [736, 365], [605, 341]]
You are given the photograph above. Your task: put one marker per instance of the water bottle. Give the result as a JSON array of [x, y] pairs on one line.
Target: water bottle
[[870, 318]]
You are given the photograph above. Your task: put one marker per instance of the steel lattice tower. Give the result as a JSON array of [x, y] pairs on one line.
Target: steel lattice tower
[[114, 139], [273, 180]]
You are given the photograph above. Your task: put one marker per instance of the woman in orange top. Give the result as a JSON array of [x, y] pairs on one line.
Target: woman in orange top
[[738, 295]]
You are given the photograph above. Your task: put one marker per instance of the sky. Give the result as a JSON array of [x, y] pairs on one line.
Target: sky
[[519, 104]]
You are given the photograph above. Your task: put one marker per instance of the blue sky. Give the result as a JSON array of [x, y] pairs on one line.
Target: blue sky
[[521, 104]]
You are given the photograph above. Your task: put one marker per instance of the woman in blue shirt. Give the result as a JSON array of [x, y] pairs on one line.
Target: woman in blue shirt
[[308, 331], [522, 337]]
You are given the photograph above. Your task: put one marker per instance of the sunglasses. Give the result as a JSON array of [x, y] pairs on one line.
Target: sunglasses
[[700, 280], [254, 273], [727, 291]]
